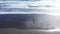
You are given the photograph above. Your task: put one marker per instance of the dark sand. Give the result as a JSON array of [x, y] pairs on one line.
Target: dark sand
[[23, 31]]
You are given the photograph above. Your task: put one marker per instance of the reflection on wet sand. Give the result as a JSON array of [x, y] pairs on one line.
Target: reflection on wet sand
[[26, 21], [19, 31], [29, 24]]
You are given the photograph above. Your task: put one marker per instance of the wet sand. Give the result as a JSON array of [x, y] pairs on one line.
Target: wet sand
[[19, 31], [7, 21]]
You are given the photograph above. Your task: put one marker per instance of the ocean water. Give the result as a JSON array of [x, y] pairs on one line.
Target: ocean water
[[25, 5]]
